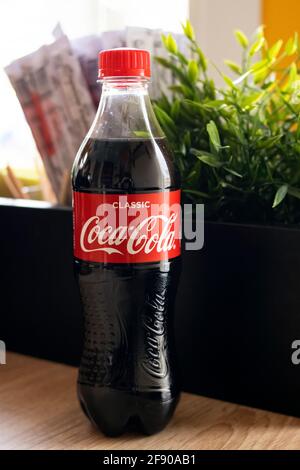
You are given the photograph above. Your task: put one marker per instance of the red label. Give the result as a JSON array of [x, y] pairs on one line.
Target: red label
[[131, 228]]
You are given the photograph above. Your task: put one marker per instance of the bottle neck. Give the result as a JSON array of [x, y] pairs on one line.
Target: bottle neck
[[124, 86], [125, 111]]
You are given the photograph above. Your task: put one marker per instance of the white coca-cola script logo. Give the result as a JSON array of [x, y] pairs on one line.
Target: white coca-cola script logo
[[153, 232]]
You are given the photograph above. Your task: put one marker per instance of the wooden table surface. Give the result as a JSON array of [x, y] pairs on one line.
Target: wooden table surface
[[39, 410]]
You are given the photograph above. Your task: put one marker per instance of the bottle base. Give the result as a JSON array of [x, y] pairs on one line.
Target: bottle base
[[115, 412]]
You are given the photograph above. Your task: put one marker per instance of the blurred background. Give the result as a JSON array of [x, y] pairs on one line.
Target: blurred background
[[36, 150]]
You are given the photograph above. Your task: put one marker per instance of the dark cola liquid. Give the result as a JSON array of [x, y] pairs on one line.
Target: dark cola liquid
[[128, 375]]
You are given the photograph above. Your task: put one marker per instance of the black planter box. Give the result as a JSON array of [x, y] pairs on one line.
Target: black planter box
[[238, 307]]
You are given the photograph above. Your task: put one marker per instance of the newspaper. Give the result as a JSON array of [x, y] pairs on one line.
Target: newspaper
[[86, 50], [56, 102]]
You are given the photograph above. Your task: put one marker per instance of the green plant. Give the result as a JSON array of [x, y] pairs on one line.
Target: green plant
[[238, 146]]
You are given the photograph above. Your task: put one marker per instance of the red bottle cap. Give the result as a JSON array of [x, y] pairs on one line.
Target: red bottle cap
[[124, 62]]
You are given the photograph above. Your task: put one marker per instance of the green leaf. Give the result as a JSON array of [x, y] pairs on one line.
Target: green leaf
[[193, 71], [291, 78], [291, 45], [197, 153], [256, 46], [294, 192], [171, 44], [233, 66], [268, 142], [214, 104], [164, 40], [213, 135], [261, 75], [175, 109], [164, 103], [195, 173], [229, 82], [188, 30], [280, 195], [165, 120], [162, 61], [193, 106], [178, 72], [252, 99], [298, 128], [183, 90], [202, 59], [274, 51], [293, 72], [182, 58], [261, 64], [207, 158], [197, 193], [233, 172], [241, 38], [187, 139]]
